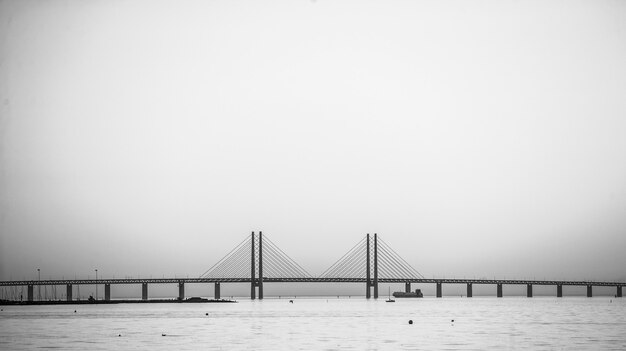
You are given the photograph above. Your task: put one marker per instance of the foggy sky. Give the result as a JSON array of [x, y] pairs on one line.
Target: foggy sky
[[478, 138]]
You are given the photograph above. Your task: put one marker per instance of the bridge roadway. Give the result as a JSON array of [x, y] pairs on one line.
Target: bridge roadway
[[308, 280], [258, 283]]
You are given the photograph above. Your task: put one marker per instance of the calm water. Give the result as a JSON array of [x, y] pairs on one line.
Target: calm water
[[319, 324]]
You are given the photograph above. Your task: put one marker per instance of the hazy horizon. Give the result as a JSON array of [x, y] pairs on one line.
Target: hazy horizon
[[477, 138]]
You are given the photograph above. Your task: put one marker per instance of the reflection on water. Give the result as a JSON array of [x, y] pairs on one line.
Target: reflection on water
[[346, 324]]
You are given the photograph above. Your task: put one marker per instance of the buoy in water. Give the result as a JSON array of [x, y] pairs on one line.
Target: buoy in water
[[290, 301], [206, 314], [162, 334], [452, 320], [410, 321], [119, 334], [74, 311]]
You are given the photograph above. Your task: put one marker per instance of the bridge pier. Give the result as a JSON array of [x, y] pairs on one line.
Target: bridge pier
[[529, 290], [181, 291], [107, 292], [217, 290], [589, 291], [144, 291], [68, 292], [252, 270], [407, 287], [469, 289], [559, 290], [499, 289], [260, 265], [439, 294], [619, 291], [30, 293]]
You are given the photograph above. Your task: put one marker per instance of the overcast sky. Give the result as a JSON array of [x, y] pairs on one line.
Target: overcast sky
[[478, 138]]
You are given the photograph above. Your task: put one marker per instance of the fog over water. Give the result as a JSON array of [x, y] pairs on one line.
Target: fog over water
[[477, 138]]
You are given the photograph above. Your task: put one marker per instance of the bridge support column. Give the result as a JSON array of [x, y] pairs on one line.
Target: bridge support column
[[499, 288], [144, 291], [217, 291], [30, 293], [252, 270], [260, 265], [68, 292], [469, 289], [107, 292], [589, 291], [619, 291], [407, 287], [529, 290], [181, 291], [439, 294], [559, 290]]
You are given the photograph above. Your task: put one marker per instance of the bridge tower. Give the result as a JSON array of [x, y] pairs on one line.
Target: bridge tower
[[255, 259], [252, 270], [381, 263], [254, 280], [368, 267], [260, 281]]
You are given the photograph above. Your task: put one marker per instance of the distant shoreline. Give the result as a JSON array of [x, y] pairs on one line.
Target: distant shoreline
[[109, 302]]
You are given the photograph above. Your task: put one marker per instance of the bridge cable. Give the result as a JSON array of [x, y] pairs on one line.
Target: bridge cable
[[294, 264], [408, 265], [227, 255], [340, 261]]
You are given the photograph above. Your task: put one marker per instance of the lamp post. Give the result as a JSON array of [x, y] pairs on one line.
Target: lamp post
[[96, 284], [38, 285]]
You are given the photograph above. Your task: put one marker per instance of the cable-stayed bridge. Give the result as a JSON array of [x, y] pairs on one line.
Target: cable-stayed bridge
[[258, 260]]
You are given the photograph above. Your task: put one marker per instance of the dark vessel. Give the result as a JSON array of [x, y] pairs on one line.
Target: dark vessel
[[201, 299], [417, 293]]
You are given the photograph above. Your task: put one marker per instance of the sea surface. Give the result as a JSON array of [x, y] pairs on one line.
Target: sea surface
[[478, 323]]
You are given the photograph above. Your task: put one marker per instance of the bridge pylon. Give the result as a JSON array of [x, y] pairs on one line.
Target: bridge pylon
[[368, 267], [265, 259], [252, 270], [256, 274], [381, 263]]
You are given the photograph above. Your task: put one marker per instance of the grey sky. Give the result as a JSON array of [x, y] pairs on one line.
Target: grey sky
[[478, 138]]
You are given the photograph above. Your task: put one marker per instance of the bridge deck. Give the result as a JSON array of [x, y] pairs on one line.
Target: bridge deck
[[304, 280]]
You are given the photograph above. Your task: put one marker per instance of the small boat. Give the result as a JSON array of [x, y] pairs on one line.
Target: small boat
[[389, 298]]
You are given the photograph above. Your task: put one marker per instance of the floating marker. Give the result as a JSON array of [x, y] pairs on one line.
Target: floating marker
[[410, 321]]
